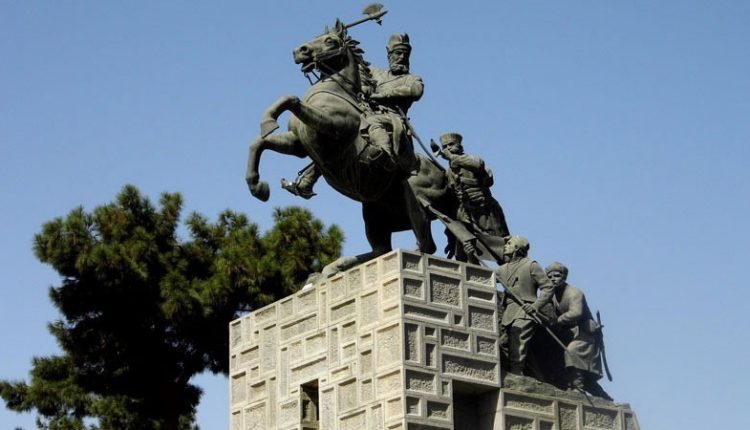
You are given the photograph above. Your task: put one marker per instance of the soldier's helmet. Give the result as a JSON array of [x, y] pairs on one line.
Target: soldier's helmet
[[398, 40], [448, 139]]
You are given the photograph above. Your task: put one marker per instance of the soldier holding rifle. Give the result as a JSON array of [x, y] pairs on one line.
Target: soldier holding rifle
[[470, 180], [523, 278]]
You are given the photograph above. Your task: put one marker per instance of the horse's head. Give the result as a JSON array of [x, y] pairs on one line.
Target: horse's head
[[330, 52]]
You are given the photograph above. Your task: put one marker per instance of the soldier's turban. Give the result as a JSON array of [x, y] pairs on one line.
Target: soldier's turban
[[557, 267]]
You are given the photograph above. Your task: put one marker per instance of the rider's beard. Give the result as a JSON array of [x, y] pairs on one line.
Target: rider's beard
[[399, 68]]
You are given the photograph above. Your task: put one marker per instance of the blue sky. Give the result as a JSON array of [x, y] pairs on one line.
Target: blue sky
[[618, 131]]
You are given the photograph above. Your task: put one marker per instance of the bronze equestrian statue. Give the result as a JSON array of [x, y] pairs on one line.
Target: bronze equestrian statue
[[327, 125]]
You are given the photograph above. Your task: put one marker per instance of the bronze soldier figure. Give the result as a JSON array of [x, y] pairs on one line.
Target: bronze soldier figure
[[577, 328], [392, 92], [524, 278], [470, 180]]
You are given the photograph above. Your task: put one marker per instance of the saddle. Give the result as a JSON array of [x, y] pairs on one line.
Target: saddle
[[397, 153]]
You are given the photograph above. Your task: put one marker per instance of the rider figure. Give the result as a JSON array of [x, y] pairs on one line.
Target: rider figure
[[394, 92]]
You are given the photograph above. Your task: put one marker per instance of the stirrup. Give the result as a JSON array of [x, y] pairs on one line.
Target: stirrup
[[294, 188]]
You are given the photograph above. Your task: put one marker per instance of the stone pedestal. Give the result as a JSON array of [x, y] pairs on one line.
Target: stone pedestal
[[405, 341]]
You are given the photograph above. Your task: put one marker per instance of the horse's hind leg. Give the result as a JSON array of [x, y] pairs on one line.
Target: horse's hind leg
[[377, 228], [420, 223]]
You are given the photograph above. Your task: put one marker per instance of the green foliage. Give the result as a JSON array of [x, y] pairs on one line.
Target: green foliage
[[143, 311]]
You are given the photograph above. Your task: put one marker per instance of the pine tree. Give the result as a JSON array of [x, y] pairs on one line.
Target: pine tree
[[143, 311]]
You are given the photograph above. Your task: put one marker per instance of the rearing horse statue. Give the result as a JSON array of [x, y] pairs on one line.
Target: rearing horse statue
[[326, 126]]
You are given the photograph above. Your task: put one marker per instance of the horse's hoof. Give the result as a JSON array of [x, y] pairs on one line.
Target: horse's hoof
[[268, 126], [261, 191], [343, 263]]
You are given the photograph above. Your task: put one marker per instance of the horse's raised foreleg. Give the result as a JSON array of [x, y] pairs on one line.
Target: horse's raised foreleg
[[268, 121], [284, 143]]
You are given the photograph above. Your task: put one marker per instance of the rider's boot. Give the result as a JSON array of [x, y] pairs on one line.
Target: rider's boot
[[303, 185], [380, 139]]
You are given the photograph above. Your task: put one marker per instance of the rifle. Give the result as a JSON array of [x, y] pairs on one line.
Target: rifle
[[414, 134], [484, 243], [537, 319]]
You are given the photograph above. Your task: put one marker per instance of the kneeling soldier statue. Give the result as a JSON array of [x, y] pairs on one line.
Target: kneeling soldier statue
[[578, 330]]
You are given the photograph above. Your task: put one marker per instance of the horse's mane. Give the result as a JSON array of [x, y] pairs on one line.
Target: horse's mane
[[352, 45]]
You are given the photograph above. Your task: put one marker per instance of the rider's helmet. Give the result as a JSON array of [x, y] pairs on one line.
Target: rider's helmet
[[398, 40]]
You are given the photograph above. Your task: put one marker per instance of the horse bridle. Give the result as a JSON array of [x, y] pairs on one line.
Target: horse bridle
[[331, 72]]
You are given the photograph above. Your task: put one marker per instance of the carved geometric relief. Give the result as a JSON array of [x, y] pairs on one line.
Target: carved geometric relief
[[353, 422], [239, 383], [289, 412], [445, 290], [568, 417], [307, 301], [480, 276], [376, 422], [388, 345], [315, 344], [454, 339], [413, 406], [486, 346], [235, 420], [235, 333], [531, 404], [327, 409], [487, 296], [388, 383], [337, 287], [600, 418], [437, 410], [266, 314], [342, 310], [518, 423], [391, 289], [353, 281], [425, 313], [268, 341], [411, 262], [413, 288], [441, 264], [468, 368], [255, 417], [394, 408], [481, 318], [413, 343], [347, 395], [308, 370], [369, 309], [420, 381]]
